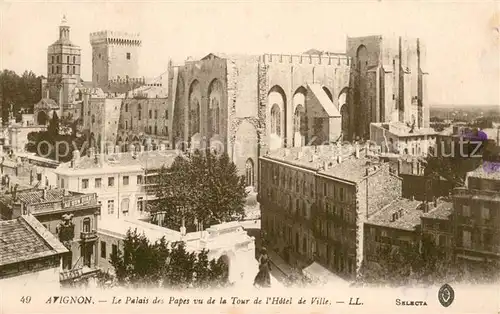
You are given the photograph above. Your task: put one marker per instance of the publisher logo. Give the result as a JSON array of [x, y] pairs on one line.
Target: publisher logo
[[446, 295]]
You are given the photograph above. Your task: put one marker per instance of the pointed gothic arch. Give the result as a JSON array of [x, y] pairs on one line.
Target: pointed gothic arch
[[194, 108], [215, 91], [277, 106], [344, 111], [299, 117]]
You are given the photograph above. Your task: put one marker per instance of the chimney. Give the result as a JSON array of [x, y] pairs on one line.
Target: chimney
[[183, 231], [44, 196], [325, 164], [312, 158], [117, 149], [367, 171], [299, 154], [92, 152], [142, 148], [356, 147], [110, 149], [339, 158]]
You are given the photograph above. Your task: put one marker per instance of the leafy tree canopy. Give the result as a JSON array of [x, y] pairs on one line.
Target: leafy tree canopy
[[203, 187], [19, 91], [162, 264], [423, 263]]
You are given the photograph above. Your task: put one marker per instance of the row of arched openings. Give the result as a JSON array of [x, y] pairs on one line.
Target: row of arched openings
[[278, 112], [214, 95]]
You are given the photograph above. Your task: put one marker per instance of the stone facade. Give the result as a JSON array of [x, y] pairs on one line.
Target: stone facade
[[229, 101], [63, 82], [144, 119], [476, 219], [115, 60], [388, 82]]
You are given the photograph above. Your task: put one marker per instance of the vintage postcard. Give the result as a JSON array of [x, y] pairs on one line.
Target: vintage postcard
[[250, 157]]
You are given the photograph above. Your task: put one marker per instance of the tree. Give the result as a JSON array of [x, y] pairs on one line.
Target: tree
[[163, 264], [420, 263], [19, 91], [53, 128], [202, 188]]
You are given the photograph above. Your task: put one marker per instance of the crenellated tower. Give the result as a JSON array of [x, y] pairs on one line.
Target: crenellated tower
[[115, 60]]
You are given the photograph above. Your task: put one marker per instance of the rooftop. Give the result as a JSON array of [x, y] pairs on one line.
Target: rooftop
[[119, 227], [148, 91], [442, 211], [400, 214], [215, 237], [403, 130], [24, 239], [331, 160], [136, 161]]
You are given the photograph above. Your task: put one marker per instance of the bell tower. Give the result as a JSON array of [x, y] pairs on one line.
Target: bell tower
[[63, 68]]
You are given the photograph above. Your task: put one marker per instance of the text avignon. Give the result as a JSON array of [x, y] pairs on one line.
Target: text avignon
[[410, 303], [69, 300]]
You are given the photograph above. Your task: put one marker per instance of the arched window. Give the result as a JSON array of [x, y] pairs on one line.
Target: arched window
[[276, 120], [87, 225], [249, 167], [93, 119], [74, 59], [67, 59]]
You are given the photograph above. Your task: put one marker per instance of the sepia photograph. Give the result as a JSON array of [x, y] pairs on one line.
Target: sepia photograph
[[249, 156]]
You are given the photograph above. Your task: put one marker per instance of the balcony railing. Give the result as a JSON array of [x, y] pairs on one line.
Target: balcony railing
[[88, 236]]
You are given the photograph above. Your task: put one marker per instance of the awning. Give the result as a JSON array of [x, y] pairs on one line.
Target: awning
[[318, 273]]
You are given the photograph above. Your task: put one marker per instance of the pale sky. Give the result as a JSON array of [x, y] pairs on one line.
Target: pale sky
[[462, 38]]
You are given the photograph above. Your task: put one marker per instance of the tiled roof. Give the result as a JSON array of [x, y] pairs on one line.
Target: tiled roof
[[25, 238], [36, 196], [408, 215], [442, 211]]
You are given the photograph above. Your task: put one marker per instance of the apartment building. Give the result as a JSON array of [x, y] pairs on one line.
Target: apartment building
[[314, 201], [123, 182]]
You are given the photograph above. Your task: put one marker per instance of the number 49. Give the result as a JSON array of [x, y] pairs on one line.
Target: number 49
[[26, 299]]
